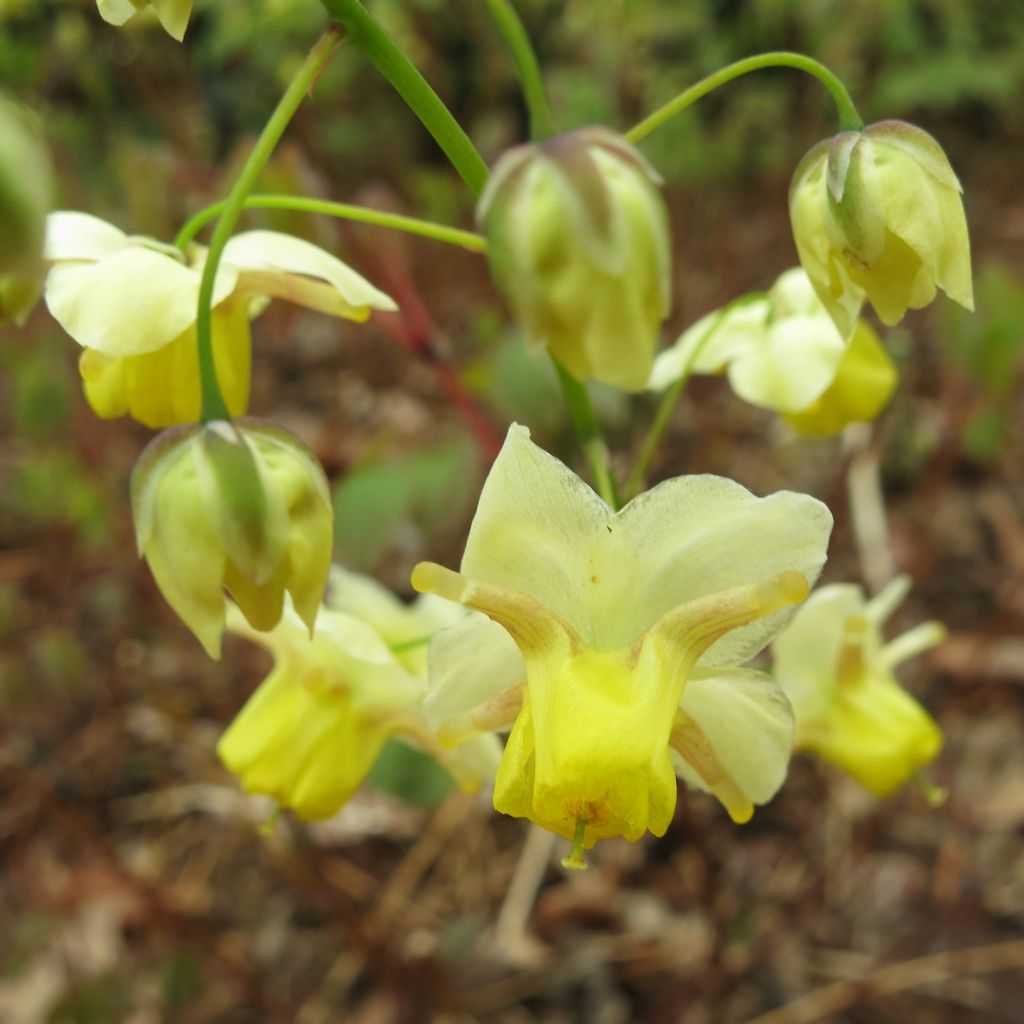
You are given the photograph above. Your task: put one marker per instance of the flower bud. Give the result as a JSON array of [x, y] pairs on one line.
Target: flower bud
[[172, 14], [24, 200], [241, 505], [877, 214], [578, 242]]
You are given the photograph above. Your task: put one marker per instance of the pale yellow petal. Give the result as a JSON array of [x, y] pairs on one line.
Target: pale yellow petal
[[173, 15], [471, 664], [748, 724], [806, 653], [533, 527], [71, 235], [794, 363], [292, 266], [130, 303], [695, 536]]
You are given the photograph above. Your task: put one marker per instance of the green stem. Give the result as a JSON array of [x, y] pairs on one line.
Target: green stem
[[849, 119], [214, 406], [345, 211], [638, 476], [410, 645], [365, 32], [588, 432], [511, 28]]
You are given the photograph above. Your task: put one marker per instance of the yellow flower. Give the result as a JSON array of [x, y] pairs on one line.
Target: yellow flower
[[628, 628], [242, 506], [173, 14], [877, 214], [131, 303], [313, 730], [577, 237], [25, 181], [838, 674], [782, 351]]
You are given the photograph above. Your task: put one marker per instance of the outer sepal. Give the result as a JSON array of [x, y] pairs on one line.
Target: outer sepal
[[878, 215], [578, 243], [240, 505]]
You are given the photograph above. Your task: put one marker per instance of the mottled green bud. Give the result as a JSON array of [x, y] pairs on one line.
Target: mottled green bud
[[878, 215], [242, 506], [578, 241]]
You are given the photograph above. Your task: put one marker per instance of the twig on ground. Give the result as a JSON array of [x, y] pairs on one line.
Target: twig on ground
[[867, 508], [893, 978], [510, 930]]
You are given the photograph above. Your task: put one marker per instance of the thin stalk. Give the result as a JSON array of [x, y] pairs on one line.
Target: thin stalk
[[588, 433], [638, 476], [849, 119], [511, 28], [214, 406], [344, 211], [366, 33]]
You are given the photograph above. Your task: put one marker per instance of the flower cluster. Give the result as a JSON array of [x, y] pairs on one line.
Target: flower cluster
[[612, 645]]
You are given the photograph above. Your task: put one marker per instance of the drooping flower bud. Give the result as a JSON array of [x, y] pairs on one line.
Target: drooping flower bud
[[172, 14], [240, 505], [24, 201], [877, 214], [578, 242]]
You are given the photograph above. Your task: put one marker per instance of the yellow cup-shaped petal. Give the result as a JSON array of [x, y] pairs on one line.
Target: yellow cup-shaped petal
[[162, 388], [863, 384], [878, 734], [303, 742], [591, 744]]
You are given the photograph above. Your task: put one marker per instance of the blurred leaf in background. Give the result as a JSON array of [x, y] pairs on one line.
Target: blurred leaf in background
[[422, 491], [411, 775]]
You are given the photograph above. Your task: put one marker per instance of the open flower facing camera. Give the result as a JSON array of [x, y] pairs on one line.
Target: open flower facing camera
[[782, 351], [877, 215], [131, 303], [632, 626]]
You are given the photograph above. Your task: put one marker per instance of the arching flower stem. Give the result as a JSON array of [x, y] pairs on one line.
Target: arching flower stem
[[344, 211], [849, 119]]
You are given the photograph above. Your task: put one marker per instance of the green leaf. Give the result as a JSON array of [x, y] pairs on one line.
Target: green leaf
[[411, 775], [375, 504]]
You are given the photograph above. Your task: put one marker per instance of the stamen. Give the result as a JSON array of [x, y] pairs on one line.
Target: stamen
[[269, 827], [576, 861], [934, 794]]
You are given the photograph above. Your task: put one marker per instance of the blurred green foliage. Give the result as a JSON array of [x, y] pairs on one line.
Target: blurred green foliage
[[989, 346], [425, 490], [609, 62], [411, 775]]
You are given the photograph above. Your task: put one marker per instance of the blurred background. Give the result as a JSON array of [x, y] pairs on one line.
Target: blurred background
[[137, 884]]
